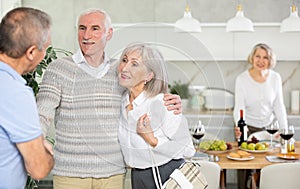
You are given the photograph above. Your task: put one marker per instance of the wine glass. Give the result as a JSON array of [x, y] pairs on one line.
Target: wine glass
[[286, 134], [272, 129], [197, 133]]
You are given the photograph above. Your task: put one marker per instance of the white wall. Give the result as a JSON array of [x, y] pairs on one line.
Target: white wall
[[168, 11], [217, 54], [213, 43], [226, 51], [6, 5], [214, 57]]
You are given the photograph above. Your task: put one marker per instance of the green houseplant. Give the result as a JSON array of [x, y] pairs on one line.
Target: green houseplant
[[32, 79], [182, 89]]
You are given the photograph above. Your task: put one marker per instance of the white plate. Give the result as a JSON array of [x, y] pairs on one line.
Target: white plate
[[255, 151], [241, 159], [269, 141], [289, 156]]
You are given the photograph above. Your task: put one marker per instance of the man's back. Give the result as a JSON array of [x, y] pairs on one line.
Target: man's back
[[16, 98]]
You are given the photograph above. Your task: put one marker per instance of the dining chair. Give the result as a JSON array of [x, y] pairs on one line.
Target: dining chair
[[282, 175], [211, 171]]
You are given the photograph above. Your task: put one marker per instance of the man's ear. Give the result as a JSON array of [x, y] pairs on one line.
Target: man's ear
[[109, 34], [30, 52]]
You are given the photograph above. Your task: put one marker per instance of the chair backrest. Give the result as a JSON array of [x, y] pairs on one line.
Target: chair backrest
[[282, 175], [211, 171]]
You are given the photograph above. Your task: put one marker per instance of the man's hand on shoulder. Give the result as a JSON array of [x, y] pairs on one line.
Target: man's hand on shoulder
[[173, 102]]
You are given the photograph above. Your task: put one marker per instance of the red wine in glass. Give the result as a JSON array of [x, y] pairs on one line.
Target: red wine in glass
[[198, 132], [287, 136], [198, 136], [272, 131]]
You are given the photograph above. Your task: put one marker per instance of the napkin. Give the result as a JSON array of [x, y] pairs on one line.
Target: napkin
[[200, 156]]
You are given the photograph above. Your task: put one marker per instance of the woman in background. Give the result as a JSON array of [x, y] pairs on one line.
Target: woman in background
[[149, 134], [258, 92]]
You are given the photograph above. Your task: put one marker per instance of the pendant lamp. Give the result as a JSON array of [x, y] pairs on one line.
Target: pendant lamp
[[292, 23], [239, 23], [187, 23]]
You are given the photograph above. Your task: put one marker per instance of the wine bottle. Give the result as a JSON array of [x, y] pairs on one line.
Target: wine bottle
[[243, 128]]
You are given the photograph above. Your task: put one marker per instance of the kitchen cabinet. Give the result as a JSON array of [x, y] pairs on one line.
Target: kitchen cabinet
[[212, 44], [237, 46]]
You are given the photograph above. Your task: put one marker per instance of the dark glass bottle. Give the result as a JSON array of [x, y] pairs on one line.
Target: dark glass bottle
[[243, 128]]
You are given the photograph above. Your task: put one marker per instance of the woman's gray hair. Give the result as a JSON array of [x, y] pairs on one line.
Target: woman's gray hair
[[95, 10], [154, 62], [271, 55]]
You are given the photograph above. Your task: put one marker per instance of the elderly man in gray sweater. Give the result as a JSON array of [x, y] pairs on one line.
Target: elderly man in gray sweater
[[82, 97]]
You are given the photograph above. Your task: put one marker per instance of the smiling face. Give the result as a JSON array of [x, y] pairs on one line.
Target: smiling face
[[261, 60], [132, 72], [93, 34]]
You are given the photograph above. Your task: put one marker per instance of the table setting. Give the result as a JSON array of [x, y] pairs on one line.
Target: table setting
[[261, 149]]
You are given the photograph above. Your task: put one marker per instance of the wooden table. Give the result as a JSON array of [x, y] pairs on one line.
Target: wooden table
[[258, 162]]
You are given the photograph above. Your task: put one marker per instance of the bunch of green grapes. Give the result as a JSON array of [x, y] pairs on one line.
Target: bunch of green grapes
[[205, 145], [215, 145]]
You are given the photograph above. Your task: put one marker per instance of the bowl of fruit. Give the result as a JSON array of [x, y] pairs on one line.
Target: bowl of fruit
[[214, 146], [254, 145]]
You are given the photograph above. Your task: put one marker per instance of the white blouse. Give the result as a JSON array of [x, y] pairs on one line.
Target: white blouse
[[174, 139], [261, 102]]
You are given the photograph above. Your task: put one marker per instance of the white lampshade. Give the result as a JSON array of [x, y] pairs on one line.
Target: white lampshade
[[187, 23], [239, 23], [292, 23]]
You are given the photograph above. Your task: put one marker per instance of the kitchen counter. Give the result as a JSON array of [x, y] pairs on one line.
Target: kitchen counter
[[220, 124], [208, 112], [226, 112]]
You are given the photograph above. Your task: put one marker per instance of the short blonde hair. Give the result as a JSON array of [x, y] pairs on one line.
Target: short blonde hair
[[272, 56]]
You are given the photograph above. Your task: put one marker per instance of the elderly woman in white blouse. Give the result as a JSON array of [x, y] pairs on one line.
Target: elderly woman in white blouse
[[258, 92], [149, 134]]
